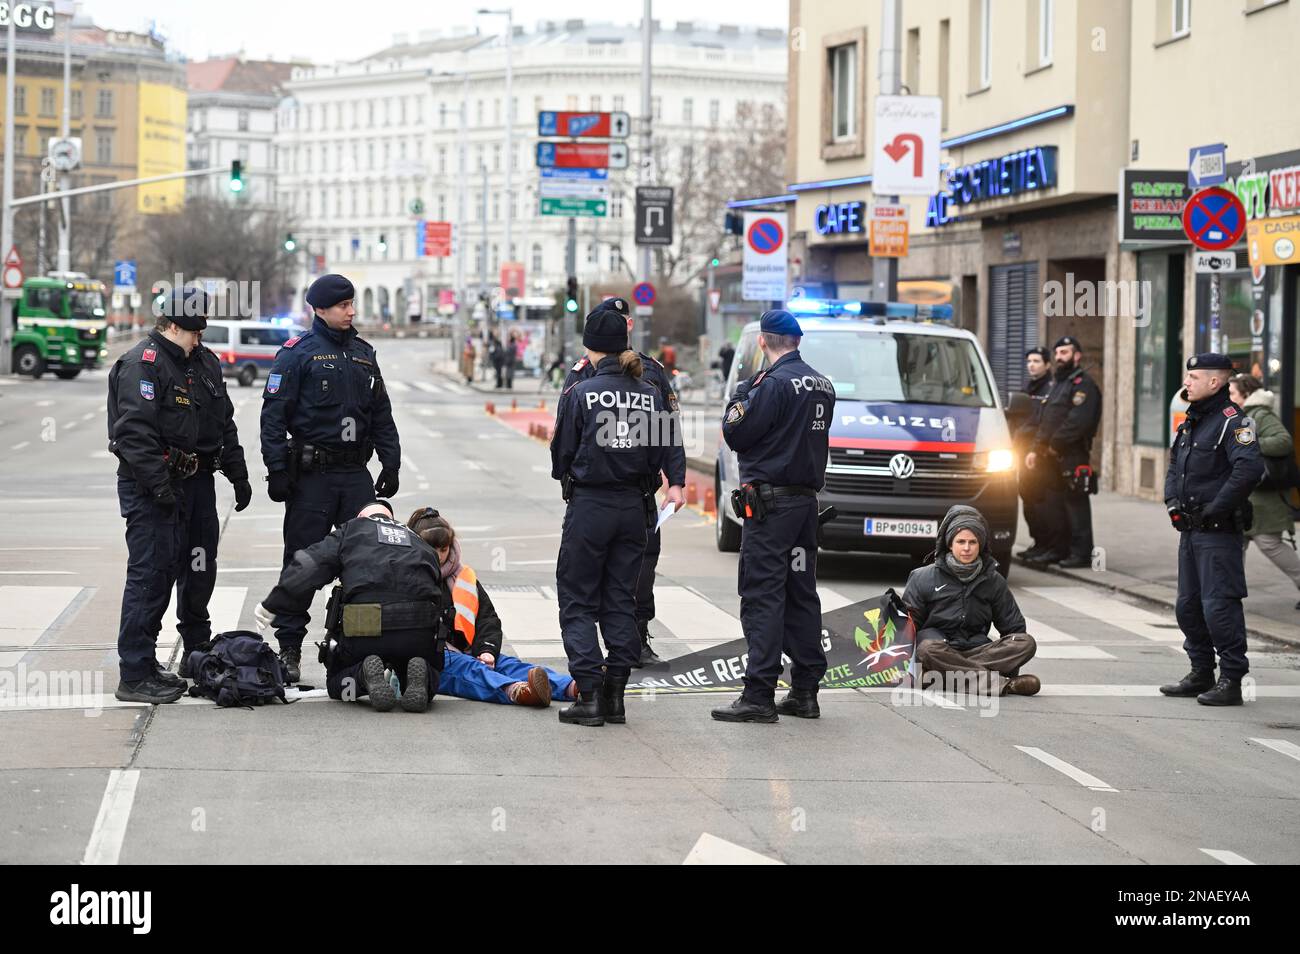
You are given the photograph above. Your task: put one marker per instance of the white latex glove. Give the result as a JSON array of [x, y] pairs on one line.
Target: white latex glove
[[263, 617]]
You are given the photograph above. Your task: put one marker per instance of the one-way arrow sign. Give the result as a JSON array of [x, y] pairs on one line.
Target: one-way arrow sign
[[654, 215], [1207, 165]]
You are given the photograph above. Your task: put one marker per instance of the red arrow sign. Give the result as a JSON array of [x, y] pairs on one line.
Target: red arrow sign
[[13, 259], [898, 149]]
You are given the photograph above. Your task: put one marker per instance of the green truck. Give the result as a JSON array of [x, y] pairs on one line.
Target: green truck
[[60, 326]]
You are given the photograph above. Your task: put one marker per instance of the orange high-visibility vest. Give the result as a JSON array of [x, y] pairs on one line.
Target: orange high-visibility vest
[[464, 593]]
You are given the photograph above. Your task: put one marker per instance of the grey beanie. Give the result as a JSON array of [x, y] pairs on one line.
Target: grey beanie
[[961, 517]]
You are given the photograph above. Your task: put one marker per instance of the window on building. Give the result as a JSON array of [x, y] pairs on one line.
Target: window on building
[[47, 101], [338, 203], [496, 112], [352, 200], [370, 112], [984, 57], [242, 153], [442, 115], [401, 149], [241, 120], [688, 110], [657, 107], [20, 100], [104, 104], [478, 113], [20, 140], [370, 202], [537, 259], [615, 259], [442, 159], [595, 103], [912, 61], [1046, 21], [76, 104], [618, 104], [496, 260], [715, 112], [496, 158], [324, 203], [1182, 17], [496, 206], [571, 102], [401, 118], [844, 91], [442, 207], [388, 111], [103, 148], [1156, 352]]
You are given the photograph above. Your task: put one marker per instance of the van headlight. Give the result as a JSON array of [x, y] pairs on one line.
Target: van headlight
[[998, 461]]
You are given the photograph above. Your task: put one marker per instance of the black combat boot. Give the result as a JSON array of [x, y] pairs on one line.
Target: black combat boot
[[1226, 692], [588, 709], [415, 697], [291, 659], [149, 690], [380, 690], [611, 694], [649, 658], [742, 710], [169, 678], [801, 703], [1192, 684]]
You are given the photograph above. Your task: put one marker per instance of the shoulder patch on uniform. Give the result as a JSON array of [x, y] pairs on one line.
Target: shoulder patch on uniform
[[582, 363], [1078, 398], [273, 383], [759, 380], [149, 355], [293, 341], [146, 390], [735, 412], [1229, 412], [1078, 380], [654, 361], [393, 535], [1245, 435]]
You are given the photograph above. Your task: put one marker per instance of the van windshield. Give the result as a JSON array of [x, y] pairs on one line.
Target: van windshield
[[899, 367]]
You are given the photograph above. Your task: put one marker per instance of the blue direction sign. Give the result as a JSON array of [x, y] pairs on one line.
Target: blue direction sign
[[1207, 165], [552, 173], [124, 273]]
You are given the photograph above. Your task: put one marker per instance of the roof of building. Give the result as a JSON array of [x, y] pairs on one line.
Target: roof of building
[[232, 74]]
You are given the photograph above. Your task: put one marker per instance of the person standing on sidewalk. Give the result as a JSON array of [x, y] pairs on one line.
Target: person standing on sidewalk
[[1213, 467], [1272, 517], [1063, 449], [1038, 365]]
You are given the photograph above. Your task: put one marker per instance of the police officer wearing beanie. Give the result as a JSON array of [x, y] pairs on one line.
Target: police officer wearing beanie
[[325, 410], [655, 375], [153, 429], [778, 423], [1038, 384], [612, 433], [1061, 459], [218, 450], [1213, 467]]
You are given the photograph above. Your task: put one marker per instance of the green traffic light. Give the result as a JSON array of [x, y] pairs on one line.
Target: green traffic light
[[236, 185], [570, 305], [715, 263]]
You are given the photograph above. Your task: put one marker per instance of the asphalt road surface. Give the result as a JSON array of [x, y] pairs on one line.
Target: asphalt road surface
[[1099, 768]]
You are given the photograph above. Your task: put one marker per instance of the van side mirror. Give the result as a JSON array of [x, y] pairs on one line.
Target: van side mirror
[[1019, 404]]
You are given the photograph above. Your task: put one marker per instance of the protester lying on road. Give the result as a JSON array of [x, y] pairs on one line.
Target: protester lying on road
[[473, 665], [956, 597]]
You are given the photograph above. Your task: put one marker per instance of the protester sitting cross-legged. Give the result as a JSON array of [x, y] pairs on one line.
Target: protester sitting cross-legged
[[473, 664], [953, 601]]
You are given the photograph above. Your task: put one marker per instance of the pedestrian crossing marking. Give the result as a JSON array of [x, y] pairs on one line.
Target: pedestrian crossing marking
[[29, 612], [1053, 651], [1043, 633], [1112, 611], [397, 386], [428, 387], [1281, 746], [224, 610]]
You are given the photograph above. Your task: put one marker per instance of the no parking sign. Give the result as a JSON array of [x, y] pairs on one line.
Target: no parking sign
[[764, 277]]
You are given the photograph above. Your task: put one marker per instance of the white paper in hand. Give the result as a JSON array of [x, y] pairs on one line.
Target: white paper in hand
[[665, 515]]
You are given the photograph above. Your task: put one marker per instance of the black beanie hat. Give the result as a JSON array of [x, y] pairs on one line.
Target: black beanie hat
[[328, 290], [606, 327], [186, 308]]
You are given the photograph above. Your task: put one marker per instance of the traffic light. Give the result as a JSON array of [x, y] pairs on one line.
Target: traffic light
[[236, 176], [734, 224], [382, 244], [715, 263], [289, 243], [571, 295]]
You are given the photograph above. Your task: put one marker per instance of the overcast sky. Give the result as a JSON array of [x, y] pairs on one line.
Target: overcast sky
[[329, 30]]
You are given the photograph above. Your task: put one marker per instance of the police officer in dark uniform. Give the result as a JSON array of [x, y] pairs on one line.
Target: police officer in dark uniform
[[1038, 366], [153, 429], [1062, 454], [654, 375], [778, 423], [218, 449], [324, 412], [609, 448], [386, 613], [1213, 467]]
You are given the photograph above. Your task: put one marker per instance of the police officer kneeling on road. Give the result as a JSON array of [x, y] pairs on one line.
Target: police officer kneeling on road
[[608, 452], [778, 423], [386, 613], [324, 412], [153, 429], [1213, 467], [218, 449]]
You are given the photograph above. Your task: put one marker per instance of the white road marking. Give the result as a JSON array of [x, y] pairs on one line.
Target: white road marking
[[249, 569], [690, 616], [1227, 857], [1289, 749], [427, 412], [472, 465], [1071, 652], [114, 813], [1107, 689], [223, 610], [1065, 768], [541, 469], [1089, 602], [1043, 633], [455, 388], [397, 385], [831, 600], [548, 560], [712, 850], [35, 573], [29, 612], [522, 536], [44, 403], [70, 425], [410, 464], [24, 549], [21, 444], [926, 697], [88, 415], [427, 387]]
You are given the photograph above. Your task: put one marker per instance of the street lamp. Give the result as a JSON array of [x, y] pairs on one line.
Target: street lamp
[[508, 13]]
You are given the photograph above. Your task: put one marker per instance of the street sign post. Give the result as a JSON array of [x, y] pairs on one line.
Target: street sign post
[[906, 156], [13, 268], [124, 274], [1207, 165], [591, 175], [582, 208], [1214, 219], [654, 215], [573, 189], [582, 155], [574, 125], [889, 231], [1209, 263]]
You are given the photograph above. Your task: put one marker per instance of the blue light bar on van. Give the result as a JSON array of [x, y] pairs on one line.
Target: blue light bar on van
[[829, 307], [834, 307]]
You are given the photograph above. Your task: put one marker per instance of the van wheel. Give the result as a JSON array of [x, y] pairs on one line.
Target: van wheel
[[247, 375], [27, 360], [67, 374], [726, 534]]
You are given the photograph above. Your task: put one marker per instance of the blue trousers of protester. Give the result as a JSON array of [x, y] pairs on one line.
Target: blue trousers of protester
[[466, 677], [198, 570], [154, 551], [321, 501], [780, 610], [602, 546], [1211, 586]]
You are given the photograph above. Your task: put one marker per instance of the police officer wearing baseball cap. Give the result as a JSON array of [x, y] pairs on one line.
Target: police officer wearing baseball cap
[[325, 410], [1061, 458], [1214, 466], [153, 429], [612, 433], [778, 423], [655, 375]]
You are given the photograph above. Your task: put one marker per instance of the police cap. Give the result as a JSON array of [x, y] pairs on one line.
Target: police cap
[[1067, 341], [186, 308], [328, 290], [1209, 361], [778, 321], [606, 327]]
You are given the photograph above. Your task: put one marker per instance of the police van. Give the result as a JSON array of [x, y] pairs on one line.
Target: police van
[[247, 348], [918, 427]]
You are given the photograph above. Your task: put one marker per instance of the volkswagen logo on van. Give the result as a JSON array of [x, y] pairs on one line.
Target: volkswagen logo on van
[[901, 466]]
